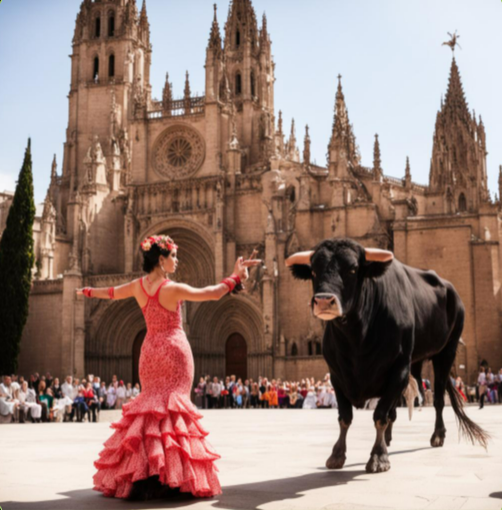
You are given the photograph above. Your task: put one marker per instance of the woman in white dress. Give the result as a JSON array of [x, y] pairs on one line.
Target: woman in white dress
[[111, 396], [310, 401], [121, 395]]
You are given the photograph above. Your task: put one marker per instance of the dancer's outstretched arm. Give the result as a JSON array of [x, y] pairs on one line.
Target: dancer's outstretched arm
[[127, 290], [181, 291]]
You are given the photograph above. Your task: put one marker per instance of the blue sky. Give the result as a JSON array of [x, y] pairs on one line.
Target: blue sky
[[388, 51]]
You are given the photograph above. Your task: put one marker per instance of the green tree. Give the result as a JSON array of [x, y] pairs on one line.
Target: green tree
[[16, 263]]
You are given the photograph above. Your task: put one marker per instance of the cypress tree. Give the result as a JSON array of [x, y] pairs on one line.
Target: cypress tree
[[16, 263]]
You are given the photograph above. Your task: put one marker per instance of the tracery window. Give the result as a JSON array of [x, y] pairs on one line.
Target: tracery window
[[111, 66]]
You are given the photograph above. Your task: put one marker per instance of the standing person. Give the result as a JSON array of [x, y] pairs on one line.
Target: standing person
[[216, 392], [199, 392], [209, 392], [147, 441], [482, 387]]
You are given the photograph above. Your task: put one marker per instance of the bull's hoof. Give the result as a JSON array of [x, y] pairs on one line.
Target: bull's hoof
[[378, 463], [388, 438], [336, 461], [437, 440]]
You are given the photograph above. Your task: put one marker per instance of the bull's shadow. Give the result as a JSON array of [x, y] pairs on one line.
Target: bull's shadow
[[245, 496]]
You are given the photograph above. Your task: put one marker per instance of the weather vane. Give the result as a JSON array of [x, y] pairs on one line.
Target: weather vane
[[452, 42]]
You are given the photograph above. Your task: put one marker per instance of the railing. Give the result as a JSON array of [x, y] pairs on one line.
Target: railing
[[177, 108]]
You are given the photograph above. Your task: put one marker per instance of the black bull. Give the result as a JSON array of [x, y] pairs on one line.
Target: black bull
[[384, 319]]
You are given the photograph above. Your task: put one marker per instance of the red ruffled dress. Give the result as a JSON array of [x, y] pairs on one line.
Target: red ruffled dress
[[159, 432]]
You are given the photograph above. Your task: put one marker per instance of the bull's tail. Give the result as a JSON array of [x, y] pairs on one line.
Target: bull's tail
[[467, 428]]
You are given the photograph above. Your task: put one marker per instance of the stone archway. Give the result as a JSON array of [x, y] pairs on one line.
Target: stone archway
[[214, 322], [109, 346], [236, 362]]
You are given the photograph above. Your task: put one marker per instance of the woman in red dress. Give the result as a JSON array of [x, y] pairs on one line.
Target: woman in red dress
[[158, 445]]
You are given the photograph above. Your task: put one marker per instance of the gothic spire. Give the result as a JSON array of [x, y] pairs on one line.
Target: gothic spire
[[306, 147], [167, 94], [377, 164], [187, 92], [144, 26], [342, 132], [241, 26], [214, 36], [455, 104], [186, 96], [279, 124], [407, 174], [264, 37], [54, 170]]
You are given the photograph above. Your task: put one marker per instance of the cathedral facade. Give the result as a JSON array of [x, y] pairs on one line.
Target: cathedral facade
[[217, 173]]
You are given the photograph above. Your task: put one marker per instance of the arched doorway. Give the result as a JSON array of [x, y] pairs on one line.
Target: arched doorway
[[236, 352], [136, 351]]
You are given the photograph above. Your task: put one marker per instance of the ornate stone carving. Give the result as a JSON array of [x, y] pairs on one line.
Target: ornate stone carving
[[178, 153]]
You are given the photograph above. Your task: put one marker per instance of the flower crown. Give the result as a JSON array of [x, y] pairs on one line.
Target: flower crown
[[163, 242]]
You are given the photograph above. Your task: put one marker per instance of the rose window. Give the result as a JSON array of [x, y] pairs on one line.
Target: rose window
[[178, 153]]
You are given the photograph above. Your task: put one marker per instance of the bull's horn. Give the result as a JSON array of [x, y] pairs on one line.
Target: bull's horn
[[377, 255], [302, 257]]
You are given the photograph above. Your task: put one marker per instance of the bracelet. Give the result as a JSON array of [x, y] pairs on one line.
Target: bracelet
[[232, 282], [229, 283], [111, 292], [87, 292]]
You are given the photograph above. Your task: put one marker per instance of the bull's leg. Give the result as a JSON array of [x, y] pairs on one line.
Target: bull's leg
[[388, 430], [442, 363], [396, 383], [337, 458]]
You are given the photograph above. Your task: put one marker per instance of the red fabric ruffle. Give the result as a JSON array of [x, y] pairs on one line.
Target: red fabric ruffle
[[158, 438]]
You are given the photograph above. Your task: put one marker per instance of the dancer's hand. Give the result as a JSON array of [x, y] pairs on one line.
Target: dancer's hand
[[79, 292], [241, 265]]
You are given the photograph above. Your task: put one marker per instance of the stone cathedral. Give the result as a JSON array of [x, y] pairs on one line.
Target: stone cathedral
[[219, 174]]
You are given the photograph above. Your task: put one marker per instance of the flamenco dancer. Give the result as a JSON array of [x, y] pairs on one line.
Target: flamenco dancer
[[158, 446]]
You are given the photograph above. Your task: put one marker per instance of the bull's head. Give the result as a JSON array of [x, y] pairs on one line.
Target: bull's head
[[337, 268]]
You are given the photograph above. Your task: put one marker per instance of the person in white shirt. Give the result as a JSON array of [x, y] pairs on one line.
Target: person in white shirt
[[8, 404], [136, 390], [121, 395], [69, 394], [482, 387], [128, 392], [28, 401], [310, 401], [111, 395]]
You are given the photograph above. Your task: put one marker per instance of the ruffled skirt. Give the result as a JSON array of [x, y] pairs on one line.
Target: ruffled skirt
[[160, 438]]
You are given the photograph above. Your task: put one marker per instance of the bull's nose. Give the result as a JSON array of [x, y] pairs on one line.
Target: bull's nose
[[326, 306]]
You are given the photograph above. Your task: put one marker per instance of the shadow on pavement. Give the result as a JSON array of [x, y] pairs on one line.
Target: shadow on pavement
[[246, 496]]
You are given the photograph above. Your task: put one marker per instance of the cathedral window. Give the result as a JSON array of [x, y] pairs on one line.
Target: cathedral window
[[111, 24], [97, 27], [253, 88], [237, 38], [294, 350], [238, 84], [318, 349], [95, 73], [311, 348], [462, 203], [111, 66]]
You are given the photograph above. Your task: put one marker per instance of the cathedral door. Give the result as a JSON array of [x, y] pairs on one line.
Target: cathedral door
[[136, 351], [236, 352]]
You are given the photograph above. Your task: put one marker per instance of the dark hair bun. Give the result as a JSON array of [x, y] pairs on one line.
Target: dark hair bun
[[151, 257]]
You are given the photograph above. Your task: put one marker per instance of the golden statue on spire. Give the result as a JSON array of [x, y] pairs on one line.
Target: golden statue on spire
[[453, 41]]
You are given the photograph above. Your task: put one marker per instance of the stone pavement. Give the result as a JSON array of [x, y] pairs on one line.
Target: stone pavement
[[271, 460]]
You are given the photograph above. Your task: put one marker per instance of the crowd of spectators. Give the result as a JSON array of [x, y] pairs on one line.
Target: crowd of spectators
[[43, 398], [233, 392]]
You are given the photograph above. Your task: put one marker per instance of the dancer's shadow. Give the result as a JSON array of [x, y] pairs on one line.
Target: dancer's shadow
[[245, 496]]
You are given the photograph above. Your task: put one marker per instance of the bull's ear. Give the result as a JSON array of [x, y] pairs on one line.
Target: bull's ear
[[301, 271], [377, 262]]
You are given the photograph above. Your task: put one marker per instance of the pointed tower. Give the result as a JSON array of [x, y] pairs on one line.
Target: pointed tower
[[458, 163], [250, 71], [167, 96], [111, 52], [343, 152], [292, 150], [215, 79], [377, 163], [306, 147], [407, 174], [186, 95]]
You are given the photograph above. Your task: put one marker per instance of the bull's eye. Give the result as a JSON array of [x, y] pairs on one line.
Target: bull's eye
[[353, 271]]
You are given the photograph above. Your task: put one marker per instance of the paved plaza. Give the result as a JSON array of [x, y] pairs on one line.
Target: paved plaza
[[271, 460]]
